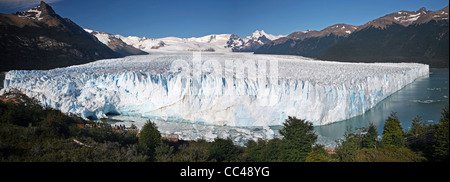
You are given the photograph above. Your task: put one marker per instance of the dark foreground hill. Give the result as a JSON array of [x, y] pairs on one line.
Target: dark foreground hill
[[41, 39]]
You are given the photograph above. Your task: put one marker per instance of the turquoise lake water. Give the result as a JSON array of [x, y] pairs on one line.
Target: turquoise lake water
[[425, 97]]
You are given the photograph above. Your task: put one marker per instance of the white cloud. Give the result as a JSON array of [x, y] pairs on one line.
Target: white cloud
[[22, 4]]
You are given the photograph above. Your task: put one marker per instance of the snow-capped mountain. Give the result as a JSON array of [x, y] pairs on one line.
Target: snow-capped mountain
[[402, 36], [210, 43], [33, 13], [41, 39], [407, 18], [234, 41], [307, 43], [116, 44], [254, 41], [338, 30]]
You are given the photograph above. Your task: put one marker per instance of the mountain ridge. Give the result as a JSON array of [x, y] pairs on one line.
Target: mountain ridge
[[40, 39], [394, 36], [116, 44], [211, 43]]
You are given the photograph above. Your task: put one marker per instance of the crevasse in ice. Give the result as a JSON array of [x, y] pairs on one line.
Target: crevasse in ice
[[147, 86]]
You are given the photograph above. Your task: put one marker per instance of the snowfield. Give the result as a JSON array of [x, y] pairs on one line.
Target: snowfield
[[168, 86], [211, 43]]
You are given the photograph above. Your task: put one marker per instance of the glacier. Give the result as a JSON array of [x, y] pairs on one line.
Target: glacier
[[268, 90]]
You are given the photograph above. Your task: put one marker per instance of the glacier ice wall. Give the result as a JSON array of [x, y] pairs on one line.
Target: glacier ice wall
[[319, 91]]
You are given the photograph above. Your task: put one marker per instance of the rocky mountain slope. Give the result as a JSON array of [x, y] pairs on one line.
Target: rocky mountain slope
[[404, 36], [116, 44], [254, 41], [308, 43], [41, 39]]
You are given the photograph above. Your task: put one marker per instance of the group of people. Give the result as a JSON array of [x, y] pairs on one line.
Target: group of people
[[119, 127]]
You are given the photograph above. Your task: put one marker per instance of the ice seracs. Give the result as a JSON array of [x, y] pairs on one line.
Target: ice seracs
[[147, 86]]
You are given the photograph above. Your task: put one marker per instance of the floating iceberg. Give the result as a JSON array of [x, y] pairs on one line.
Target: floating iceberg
[[266, 90]]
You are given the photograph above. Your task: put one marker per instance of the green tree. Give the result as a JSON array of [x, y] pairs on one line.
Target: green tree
[[149, 139], [418, 127], [223, 150], [441, 137], [347, 149], [298, 139], [393, 134], [273, 150], [420, 137], [164, 153], [370, 136], [255, 150]]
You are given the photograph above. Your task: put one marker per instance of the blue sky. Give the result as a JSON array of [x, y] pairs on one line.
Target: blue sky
[[194, 18]]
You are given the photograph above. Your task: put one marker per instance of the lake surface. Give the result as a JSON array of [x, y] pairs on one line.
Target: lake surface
[[425, 97]]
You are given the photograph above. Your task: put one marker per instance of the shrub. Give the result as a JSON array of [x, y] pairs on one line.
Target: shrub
[[441, 137], [388, 154], [195, 151]]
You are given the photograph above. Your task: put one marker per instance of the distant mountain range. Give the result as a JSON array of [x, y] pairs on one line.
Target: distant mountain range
[[210, 43], [41, 39], [254, 41], [405, 36]]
